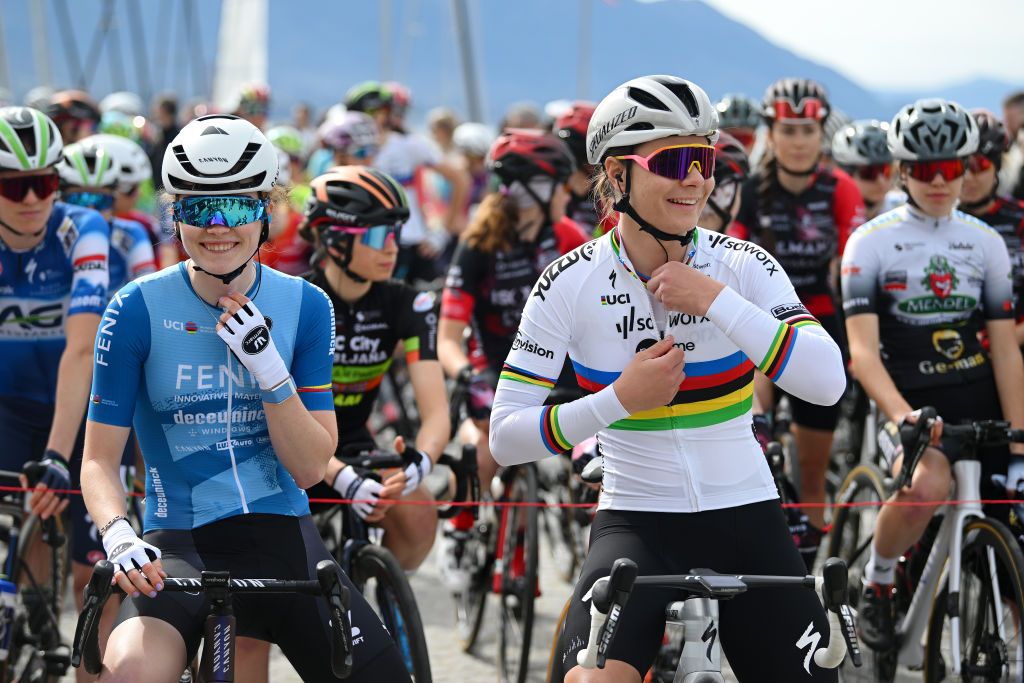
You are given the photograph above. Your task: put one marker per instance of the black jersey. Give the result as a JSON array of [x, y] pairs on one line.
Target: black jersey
[[1007, 218], [366, 334]]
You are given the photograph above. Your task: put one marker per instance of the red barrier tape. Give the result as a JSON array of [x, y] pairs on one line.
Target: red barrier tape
[[540, 504]]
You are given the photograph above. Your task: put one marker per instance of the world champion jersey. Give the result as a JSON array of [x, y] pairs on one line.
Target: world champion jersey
[[933, 283], [197, 412], [698, 452], [366, 334], [64, 275]]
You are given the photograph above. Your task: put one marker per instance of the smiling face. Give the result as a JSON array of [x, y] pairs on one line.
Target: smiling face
[[797, 146], [30, 214], [220, 249], [670, 205]]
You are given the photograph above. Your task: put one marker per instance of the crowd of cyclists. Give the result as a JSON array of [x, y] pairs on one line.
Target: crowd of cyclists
[[225, 306]]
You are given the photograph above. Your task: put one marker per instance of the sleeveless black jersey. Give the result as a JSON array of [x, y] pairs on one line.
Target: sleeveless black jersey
[[803, 231], [366, 334]]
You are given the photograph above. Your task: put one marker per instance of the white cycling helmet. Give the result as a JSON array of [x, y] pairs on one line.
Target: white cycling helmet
[[933, 129], [29, 139], [220, 154], [649, 108], [861, 143], [474, 138], [88, 163], [128, 103], [131, 160]]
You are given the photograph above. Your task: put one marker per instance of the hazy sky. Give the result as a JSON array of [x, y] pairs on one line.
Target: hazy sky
[[895, 43]]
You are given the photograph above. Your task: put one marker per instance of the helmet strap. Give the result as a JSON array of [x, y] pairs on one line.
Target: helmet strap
[[623, 205], [227, 278], [37, 233], [800, 174], [344, 260]]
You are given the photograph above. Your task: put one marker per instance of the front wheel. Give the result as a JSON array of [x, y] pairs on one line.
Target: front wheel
[[377, 573], [989, 609]]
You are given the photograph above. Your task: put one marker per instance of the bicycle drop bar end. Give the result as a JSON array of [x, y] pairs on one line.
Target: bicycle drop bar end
[[328, 573], [835, 596], [86, 646]]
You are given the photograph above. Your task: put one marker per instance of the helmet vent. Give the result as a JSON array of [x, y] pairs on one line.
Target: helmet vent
[[243, 161], [214, 130], [647, 99], [685, 95], [643, 125]]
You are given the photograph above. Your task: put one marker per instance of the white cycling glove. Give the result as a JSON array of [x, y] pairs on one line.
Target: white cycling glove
[[353, 487], [416, 472], [247, 334], [125, 549], [1015, 473]]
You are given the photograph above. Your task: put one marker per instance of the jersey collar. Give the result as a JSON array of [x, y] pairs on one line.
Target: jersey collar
[[620, 253]]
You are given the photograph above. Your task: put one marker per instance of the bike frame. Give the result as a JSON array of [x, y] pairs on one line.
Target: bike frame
[[948, 546]]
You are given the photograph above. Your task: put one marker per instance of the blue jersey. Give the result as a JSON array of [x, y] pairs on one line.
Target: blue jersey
[[40, 288], [131, 253], [198, 413]]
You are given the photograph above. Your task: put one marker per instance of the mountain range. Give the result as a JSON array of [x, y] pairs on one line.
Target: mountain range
[[526, 50]]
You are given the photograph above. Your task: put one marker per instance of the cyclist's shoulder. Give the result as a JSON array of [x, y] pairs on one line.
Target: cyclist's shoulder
[[979, 228], [71, 226], [882, 225], [716, 250], [570, 273], [569, 234], [131, 228]]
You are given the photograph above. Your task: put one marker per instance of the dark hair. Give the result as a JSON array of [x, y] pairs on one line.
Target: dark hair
[[767, 185], [1014, 99]]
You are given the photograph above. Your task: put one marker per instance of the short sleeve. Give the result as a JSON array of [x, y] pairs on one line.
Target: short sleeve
[[859, 276], [314, 349], [90, 260], [997, 297], [465, 276], [122, 346], [418, 325], [847, 208]]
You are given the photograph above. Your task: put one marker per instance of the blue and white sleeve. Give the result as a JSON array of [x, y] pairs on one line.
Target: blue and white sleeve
[[314, 349], [122, 346]]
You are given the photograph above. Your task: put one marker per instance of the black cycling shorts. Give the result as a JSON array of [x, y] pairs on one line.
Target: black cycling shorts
[[767, 634], [811, 415], [272, 547]]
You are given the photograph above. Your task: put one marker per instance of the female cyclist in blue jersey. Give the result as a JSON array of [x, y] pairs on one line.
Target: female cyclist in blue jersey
[[664, 323], [223, 367]]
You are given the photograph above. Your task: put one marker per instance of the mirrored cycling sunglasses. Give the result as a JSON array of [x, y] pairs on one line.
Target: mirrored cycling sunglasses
[[16, 188], [925, 171], [872, 172], [363, 152], [227, 210], [979, 163], [676, 161], [810, 109], [100, 201], [374, 237]]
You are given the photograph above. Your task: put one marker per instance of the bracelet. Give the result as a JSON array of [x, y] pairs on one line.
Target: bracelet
[[106, 527], [280, 393]]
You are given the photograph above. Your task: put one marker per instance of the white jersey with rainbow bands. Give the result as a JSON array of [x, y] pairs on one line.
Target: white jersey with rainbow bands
[[698, 452]]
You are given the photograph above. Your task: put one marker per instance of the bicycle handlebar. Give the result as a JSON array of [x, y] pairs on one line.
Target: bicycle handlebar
[[609, 595], [328, 584], [467, 481]]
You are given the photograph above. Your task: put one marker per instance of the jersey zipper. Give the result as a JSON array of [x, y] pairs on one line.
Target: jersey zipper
[[231, 448]]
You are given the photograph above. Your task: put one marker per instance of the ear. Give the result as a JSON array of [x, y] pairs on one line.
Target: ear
[[615, 170]]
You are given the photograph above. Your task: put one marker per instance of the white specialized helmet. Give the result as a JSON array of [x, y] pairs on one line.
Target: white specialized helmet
[[128, 155], [128, 103], [29, 139], [220, 154], [88, 163], [474, 138], [649, 108]]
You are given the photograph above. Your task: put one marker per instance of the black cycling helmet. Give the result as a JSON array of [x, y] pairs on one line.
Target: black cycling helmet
[[368, 96], [738, 111], [731, 160], [520, 154], [992, 138], [357, 196], [798, 99]]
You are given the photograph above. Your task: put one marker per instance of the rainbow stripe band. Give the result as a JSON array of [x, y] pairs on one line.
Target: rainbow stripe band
[[551, 433], [690, 415], [779, 352], [519, 375], [314, 389]]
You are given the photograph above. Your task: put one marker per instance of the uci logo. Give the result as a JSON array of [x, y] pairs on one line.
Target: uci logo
[[256, 340]]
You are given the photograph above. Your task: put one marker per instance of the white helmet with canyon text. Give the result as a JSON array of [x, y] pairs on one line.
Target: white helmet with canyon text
[[649, 108], [220, 154]]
